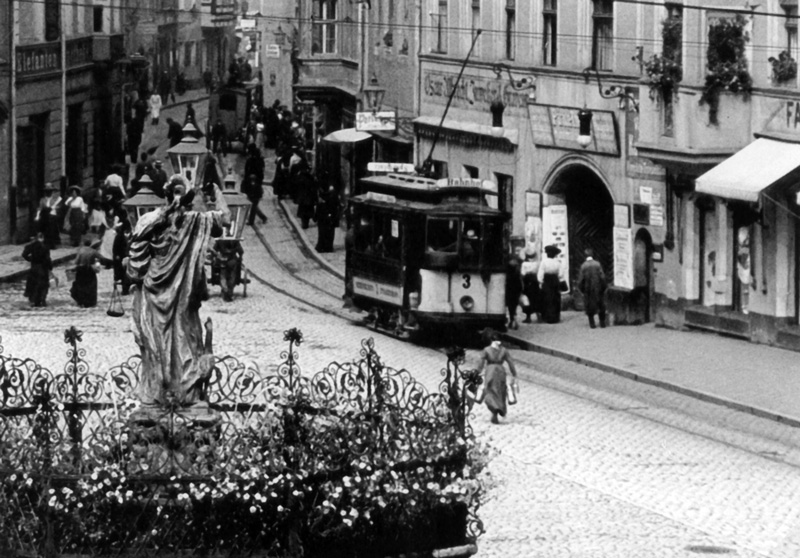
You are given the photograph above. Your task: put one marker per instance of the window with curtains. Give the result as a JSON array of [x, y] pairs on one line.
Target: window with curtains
[[324, 27], [511, 25], [440, 28], [549, 32], [603, 34]]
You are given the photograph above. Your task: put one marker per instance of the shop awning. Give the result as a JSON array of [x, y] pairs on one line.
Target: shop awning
[[745, 174]]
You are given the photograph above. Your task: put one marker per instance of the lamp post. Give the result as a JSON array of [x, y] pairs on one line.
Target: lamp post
[[373, 94], [188, 157], [584, 127], [143, 202], [238, 205]]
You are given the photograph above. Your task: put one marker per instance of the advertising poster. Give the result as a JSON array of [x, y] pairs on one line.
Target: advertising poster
[[623, 258], [554, 231]]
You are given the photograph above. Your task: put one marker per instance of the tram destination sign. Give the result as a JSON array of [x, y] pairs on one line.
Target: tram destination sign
[[390, 167], [378, 291], [455, 182], [384, 121]]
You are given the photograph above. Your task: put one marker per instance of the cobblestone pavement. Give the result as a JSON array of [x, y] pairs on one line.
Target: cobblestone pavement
[[587, 465]]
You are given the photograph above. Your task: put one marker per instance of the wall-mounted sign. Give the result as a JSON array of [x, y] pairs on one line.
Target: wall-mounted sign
[[376, 121], [622, 216], [533, 204], [272, 51], [390, 167], [38, 59], [657, 215], [455, 182], [554, 231], [555, 126], [472, 91], [623, 258]]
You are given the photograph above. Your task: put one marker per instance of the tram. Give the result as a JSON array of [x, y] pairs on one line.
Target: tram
[[231, 104], [426, 254]]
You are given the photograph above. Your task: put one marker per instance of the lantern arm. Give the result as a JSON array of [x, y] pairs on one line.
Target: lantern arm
[[626, 99], [517, 84]]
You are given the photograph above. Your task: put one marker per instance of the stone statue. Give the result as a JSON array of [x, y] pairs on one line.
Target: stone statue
[[167, 266]]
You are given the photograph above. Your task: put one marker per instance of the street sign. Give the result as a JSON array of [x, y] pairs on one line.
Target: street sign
[[273, 51], [390, 167], [375, 121]]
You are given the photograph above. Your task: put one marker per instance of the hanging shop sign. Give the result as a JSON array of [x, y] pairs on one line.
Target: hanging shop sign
[[384, 121], [556, 126], [623, 258], [554, 231]]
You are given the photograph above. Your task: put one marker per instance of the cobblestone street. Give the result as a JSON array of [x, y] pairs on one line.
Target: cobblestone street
[[582, 469]]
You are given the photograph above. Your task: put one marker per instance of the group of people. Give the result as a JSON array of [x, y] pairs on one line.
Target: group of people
[[536, 286], [89, 217]]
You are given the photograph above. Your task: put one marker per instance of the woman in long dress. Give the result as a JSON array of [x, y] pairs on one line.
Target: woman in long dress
[[84, 288], [495, 390], [76, 215], [47, 216], [530, 284], [550, 275]]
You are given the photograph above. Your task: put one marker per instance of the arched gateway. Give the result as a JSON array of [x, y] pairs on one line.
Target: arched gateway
[[579, 185]]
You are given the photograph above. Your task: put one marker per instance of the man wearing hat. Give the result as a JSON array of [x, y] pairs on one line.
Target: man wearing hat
[[592, 283], [159, 178], [550, 276]]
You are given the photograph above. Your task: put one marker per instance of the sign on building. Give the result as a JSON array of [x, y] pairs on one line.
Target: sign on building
[[456, 182], [554, 231], [623, 258], [376, 121], [272, 51], [556, 126]]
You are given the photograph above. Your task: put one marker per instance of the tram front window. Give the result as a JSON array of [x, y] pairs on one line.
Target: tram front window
[[442, 235], [471, 243]]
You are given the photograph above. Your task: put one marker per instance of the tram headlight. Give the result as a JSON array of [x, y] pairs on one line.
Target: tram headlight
[[467, 303]]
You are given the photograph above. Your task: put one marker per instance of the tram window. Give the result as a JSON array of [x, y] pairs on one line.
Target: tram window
[[493, 243], [363, 240], [442, 235], [391, 239], [227, 101], [471, 242]]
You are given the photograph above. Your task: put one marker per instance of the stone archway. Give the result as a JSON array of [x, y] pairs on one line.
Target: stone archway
[[590, 213]]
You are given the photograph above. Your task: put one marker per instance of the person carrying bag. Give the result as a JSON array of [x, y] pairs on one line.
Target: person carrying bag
[[115, 309]]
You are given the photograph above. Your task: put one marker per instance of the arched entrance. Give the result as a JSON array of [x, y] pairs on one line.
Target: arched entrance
[[590, 215], [642, 275]]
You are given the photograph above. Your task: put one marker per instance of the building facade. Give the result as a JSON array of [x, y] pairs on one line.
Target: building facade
[[65, 85]]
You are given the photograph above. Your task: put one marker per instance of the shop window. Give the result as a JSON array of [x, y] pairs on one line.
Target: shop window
[[511, 25], [324, 27], [440, 28], [549, 32], [603, 34]]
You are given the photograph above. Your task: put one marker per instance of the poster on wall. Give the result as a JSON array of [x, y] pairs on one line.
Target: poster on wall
[[623, 258], [554, 231]]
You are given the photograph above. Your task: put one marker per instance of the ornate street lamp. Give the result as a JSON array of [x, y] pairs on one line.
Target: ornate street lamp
[[143, 202], [373, 94], [238, 205], [188, 158]]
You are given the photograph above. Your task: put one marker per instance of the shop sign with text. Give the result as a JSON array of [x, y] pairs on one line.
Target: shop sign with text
[[471, 91], [556, 126], [384, 121]]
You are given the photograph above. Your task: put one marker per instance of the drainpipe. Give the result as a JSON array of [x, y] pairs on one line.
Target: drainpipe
[[63, 90], [12, 118]]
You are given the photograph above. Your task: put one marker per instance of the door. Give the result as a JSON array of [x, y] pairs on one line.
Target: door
[[642, 268]]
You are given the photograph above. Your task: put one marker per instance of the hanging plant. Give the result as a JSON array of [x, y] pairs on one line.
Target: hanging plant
[[665, 70], [727, 63], [784, 67]]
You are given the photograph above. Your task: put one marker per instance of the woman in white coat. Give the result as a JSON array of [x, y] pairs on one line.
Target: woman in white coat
[[155, 108]]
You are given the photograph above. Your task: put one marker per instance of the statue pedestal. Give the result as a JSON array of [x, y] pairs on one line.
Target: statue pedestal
[[174, 439]]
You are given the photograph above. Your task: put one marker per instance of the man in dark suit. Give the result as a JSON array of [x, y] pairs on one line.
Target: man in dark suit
[[592, 283]]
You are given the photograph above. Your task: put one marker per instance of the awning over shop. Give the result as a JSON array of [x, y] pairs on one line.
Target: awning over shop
[[745, 174]]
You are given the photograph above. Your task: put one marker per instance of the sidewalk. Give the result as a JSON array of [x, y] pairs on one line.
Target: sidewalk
[[751, 378]]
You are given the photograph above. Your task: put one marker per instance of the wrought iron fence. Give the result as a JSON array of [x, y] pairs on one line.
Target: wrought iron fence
[[358, 455]]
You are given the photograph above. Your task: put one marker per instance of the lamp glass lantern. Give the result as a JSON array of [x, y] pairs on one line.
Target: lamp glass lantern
[[373, 94], [238, 205], [584, 127], [188, 157], [143, 202]]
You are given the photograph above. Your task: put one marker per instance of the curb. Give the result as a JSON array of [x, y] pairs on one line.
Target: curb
[[23, 273], [306, 242], [628, 375]]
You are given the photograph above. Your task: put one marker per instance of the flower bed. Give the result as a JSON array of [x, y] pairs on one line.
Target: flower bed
[[356, 460]]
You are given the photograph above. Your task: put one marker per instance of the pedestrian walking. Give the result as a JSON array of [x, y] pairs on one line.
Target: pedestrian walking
[[592, 284], [190, 116], [75, 221], [37, 284], [134, 129], [47, 216], [494, 359], [254, 164], [87, 265], [208, 80], [551, 276], [120, 252], [174, 132], [159, 177], [530, 300], [306, 188], [280, 182], [327, 219], [513, 289], [155, 104], [254, 190], [115, 185], [219, 138], [165, 87]]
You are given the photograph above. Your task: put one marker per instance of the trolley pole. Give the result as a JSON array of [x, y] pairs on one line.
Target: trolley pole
[[428, 162]]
